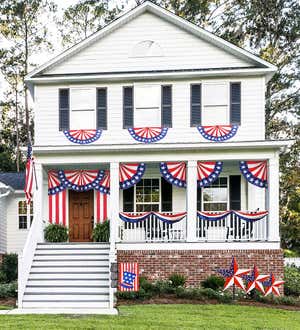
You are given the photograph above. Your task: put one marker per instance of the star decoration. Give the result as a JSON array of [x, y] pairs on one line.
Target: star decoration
[[254, 281], [272, 286], [233, 275]]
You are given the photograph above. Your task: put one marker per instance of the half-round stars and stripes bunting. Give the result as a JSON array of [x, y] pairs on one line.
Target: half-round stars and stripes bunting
[[208, 172], [255, 172], [148, 134], [134, 218], [212, 216], [131, 174], [174, 173], [169, 218], [218, 133], [104, 184], [54, 184], [272, 286], [233, 275], [250, 216], [255, 281], [81, 180], [83, 136]]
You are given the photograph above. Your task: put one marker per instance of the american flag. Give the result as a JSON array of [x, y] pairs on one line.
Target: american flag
[[128, 280], [28, 189]]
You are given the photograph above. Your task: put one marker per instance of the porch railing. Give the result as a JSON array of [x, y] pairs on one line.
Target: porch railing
[[231, 229], [152, 230]]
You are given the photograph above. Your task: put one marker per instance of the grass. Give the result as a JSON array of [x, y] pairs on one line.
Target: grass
[[164, 317]]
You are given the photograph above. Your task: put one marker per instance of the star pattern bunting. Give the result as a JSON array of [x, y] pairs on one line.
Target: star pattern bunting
[[83, 136], [104, 185], [54, 184], [174, 173], [255, 281], [255, 172], [233, 275], [131, 174], [148, 134], [208, 172], [272, 286], [218, 133]]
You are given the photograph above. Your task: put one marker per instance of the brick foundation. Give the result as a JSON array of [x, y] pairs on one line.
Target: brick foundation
[[196, 265]]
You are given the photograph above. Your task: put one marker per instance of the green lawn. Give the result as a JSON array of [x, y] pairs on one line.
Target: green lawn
[[164, 317]]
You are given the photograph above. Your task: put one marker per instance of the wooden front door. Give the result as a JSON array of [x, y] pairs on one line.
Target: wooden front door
[[81, 216]]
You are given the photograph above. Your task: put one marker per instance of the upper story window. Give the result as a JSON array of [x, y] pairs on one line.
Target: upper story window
[[25, 214]]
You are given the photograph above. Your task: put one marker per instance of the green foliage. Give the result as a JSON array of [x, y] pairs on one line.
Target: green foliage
[[177, 280], [130, 295], [101, 232], [213, 282], [56, 233], [8, 290], [292, 281], [9, 268], [203, 294], [290, 253]]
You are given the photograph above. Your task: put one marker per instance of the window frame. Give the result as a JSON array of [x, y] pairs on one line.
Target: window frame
[[147, 203], [28, 214]]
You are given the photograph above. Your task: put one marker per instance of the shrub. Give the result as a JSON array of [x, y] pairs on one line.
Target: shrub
[[8, 290], [146, 285], [101, 232], [56, 233], [9, 268], [131, 295], [292, 281], [213, 282], [163, 287], [177, 280]]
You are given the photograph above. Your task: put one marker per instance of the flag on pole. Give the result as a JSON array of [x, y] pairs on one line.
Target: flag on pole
[[28, 189]]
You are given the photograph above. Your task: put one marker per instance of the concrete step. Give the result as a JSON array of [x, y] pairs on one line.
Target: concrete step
[[73, 256], [65, 304], [64, 289], [70, 275], [76, 251], [69, 282], [67, 246], [52, 296], [69, 263], [67, 269]]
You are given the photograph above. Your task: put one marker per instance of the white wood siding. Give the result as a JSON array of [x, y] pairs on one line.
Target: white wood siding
[[181, 50], [252, 113], [3, 235]]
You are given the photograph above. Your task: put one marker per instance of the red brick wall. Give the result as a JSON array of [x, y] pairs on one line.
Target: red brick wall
[[196, 265]]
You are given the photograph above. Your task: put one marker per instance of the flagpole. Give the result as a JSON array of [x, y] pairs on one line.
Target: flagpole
[[33, 163]]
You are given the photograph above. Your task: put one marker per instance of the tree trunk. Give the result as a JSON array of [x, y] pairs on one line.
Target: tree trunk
[[17, 129]]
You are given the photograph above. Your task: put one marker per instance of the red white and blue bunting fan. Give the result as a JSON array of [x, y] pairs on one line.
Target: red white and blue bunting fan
[[164, 217], [54, 184], [208, 172], [134, 218], [218, 133], [255, 280], [212, 216], [169, 218], [104, 184], [174, 173], [148, 134], [233, 275], [250, 216], [81, 180], [83, 136], [255, 172], [131, 174], [272, 286]]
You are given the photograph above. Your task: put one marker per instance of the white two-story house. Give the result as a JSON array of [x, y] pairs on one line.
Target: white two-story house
[[158, 126]]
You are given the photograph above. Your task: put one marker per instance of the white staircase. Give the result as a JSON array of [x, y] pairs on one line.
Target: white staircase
[[69, 275]]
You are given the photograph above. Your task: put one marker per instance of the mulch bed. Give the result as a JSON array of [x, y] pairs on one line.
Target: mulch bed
[[11, 302]]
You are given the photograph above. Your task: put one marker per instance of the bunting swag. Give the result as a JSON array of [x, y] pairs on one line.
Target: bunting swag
[[169, 218], [247, 216], [102, 200], [104, 185], [81, 180], [131, 174], [218, 133], [83, 136], [212, 216], [148, 134], [251, 216], [134, 218], [54, 184], [174, 173], [255, 172], [208, 172], [57, 208]]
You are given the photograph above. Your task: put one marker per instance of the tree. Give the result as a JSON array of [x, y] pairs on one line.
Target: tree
[[84, 18]]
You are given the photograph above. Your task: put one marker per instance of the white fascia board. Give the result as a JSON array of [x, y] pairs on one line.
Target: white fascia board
[[165, 14]]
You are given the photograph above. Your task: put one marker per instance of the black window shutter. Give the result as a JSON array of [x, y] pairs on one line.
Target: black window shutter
[[235, 192], [102, 108], [195, 105], [128, 200], [166, 106], [127, 107], [199, 193], [64, 109], [166, 196], [235, 103]]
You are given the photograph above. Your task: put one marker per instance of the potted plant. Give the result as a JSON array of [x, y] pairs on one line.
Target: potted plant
[[56, 233], [101, 232]]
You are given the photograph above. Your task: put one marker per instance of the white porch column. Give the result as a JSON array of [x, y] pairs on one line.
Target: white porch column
[[114, 203], [38, 202], [273, 198], [191, 201]]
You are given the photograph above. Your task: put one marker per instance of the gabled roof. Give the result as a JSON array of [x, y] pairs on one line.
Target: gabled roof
[[13, 179], [261, 65]]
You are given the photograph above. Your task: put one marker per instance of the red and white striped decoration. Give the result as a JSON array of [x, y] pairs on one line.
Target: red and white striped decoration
[[148, 134], [255, 172], [131, 174], [129, 267], [83, 136], [58, 208], [208, 172], [102, 206], [81, 180], [29, 176], [174, 173], [218, 133]]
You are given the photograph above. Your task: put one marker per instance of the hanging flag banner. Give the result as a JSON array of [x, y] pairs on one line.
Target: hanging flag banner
[[218, 133], [174, 173], [255, 172], [83, 136], [80, 180], [29, 175], [102, 207], [250, 216], [128, 276], [169, 218], [272, 286], [131, 174], [134, 218], [54, 184], [57, 205], [212, 216], [104, 184], [208, 172], [148, 134]]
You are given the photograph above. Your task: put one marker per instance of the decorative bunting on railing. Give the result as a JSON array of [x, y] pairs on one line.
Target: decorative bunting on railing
[[164, 217], [255, 172], [81, 180], [134, 218], [83, 136], [169, 218], [212, 216], [251, 216], [148, 134], [218, 133], [54, 184], [131, 174], [208, 172], [104, 184], [243, 215], [174, 173]]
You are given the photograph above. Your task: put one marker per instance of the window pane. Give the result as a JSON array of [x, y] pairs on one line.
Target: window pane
[[23, 222], [215, 206], [22, 207], [31, 207]]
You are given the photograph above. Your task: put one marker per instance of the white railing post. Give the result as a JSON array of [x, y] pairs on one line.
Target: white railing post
[[191, 201], [273, 198]]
